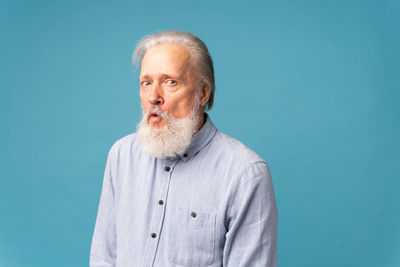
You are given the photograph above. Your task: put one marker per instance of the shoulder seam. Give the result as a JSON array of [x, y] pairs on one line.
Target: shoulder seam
[[252, 163]]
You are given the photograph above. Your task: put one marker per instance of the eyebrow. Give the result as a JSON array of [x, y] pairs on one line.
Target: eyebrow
[[163, 76]]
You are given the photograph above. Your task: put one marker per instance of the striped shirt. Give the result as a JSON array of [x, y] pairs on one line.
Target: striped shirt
[[213, 205]]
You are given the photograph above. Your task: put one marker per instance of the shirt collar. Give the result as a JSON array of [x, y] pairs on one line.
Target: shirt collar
[[200, 139]]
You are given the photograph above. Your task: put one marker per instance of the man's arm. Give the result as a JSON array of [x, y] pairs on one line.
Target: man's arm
[[103, 250], [252, 235]]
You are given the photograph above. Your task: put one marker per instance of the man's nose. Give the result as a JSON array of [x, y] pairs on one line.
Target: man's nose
[[156, 95]]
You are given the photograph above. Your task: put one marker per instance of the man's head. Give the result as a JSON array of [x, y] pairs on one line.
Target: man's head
[[176, 84], [200, 59]]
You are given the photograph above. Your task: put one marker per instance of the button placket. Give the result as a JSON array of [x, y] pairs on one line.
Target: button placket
[[161, 203], [165, 170]]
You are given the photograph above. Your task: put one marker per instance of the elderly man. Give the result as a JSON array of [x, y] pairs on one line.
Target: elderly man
[[179, 192]]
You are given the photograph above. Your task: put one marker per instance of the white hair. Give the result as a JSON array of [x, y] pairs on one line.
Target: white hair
[[171, 140], [201, 58]]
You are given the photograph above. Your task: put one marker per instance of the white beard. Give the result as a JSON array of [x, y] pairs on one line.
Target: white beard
[[171, 140]]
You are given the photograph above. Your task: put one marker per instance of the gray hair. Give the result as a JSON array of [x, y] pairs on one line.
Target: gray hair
[[201, 58]]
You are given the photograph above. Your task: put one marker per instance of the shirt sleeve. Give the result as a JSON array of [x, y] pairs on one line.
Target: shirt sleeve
[[103, 248], [251, 238]]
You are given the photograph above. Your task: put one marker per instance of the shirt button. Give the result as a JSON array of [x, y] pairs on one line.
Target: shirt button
[[160, 202], [153, 235], [194, 214], [167, 169]]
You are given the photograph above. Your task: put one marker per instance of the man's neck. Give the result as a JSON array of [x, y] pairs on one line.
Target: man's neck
[[202, 120]]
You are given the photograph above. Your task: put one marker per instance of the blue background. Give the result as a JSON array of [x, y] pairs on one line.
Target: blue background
[[311, 86]]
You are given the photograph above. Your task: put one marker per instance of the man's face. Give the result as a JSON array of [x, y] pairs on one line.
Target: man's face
[[167, 81]]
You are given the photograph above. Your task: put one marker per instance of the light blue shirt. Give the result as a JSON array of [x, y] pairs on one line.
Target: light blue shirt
[[213, 205]]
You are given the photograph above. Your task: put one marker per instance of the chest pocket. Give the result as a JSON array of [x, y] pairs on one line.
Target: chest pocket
[[191, 241]]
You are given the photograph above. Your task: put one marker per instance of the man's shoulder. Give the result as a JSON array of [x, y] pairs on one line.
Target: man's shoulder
[[246, 166], [125, 144], [231, 147]]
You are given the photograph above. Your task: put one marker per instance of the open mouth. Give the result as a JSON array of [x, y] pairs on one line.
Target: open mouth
[[153, 116]]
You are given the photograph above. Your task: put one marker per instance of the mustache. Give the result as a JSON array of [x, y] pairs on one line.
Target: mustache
[[156, 110]]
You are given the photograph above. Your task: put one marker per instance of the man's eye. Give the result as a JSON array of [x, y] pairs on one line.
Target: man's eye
[[145, 83], [171, 82]]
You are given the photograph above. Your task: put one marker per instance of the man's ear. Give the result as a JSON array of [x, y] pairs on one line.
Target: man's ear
[[205, 95]]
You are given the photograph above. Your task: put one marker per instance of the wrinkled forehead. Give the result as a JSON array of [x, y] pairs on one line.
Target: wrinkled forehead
[[166, 58]]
